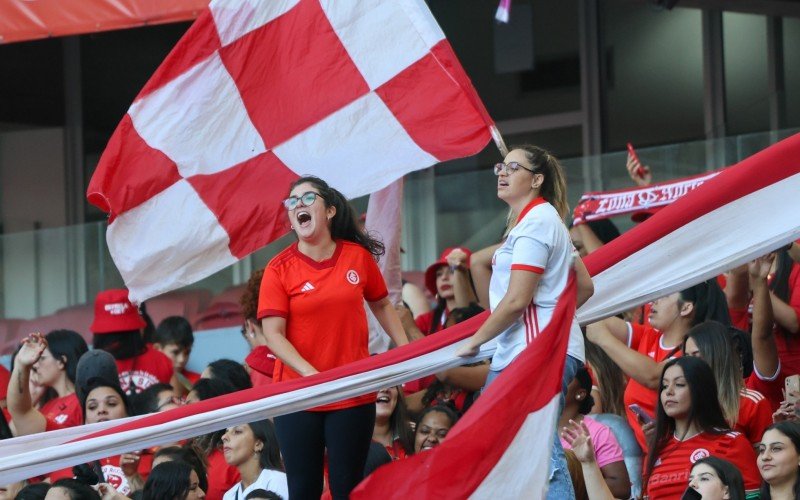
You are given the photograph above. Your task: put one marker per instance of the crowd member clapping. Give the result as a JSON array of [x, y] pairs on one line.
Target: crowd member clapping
[[745, 410], [690, 425], [716, 479], [607, 451], [174, 338], [117, 329], [432, 427], [173, 480], [641, 351], [52, 361], [778, 461], [392, 429], [253, 449]]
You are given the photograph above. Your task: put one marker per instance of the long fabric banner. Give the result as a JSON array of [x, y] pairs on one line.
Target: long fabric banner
[[257, 94], [746, 211]]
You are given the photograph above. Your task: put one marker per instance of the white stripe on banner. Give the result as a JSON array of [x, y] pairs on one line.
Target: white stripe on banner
[[727, 237], [506, 477]]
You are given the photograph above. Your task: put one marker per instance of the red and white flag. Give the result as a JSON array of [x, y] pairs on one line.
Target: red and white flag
[[746, 211], [258, 93], [501, 447]]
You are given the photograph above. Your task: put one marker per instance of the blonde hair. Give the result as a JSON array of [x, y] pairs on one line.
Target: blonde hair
[[554, 187]]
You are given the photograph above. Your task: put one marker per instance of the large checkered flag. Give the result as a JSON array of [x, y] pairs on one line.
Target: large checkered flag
[[259, 93]]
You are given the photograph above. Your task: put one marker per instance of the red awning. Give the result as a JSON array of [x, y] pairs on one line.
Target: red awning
[[31, 19]]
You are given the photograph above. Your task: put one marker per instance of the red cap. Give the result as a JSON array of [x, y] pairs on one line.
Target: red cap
[[430, 273], [643, 215], [113, 312]]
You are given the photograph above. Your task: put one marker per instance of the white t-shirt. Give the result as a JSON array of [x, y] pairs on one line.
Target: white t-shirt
[[270, 480], [539, 243]]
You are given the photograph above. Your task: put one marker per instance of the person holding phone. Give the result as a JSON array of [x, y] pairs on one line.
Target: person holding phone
[[713, 478], [689, 426]]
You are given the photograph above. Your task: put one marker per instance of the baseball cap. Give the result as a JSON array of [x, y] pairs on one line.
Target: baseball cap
[[94, 364], [430, 273], [113, 312]]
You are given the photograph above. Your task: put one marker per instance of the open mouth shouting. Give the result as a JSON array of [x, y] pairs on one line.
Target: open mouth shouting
[[303, 218]]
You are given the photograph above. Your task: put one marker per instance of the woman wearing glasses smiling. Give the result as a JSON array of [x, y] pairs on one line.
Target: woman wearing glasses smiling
[[529, 272], [311, 305]]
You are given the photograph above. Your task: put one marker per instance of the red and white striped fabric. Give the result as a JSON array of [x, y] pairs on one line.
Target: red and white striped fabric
[[748, 210], [259, 93], [479, 458]]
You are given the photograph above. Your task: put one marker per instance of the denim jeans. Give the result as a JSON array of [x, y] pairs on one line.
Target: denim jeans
[[560, 486]]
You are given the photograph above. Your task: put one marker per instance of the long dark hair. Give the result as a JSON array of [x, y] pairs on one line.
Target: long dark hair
[[792, 431], [780, 281], [728, 474], [76, 489], [68, 347], [270, 456], [399, 423], [231, 372], [189, 454], [168, 481], [121, 345], [709, 302], [554, 187], [611, 380], [344, 225], [704, 411]]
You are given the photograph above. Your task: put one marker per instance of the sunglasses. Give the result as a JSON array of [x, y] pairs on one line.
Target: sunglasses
[[509, 168], [304, 200]]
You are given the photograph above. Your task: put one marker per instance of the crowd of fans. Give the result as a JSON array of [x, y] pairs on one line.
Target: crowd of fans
[[693, 395]]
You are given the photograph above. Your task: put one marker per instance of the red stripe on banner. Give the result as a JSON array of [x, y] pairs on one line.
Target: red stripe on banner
[[116, 186], [431, 343], [431, 85], [305, 72], [196, 45], [247, 201], [733, 183], [474, 446]]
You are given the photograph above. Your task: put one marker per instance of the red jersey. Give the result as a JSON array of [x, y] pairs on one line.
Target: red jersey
[[112, 474], [323, 303], [755, 415], [221, 476], [648, 341], [670, 475], [262, 365], [149, 368], [770, 387], [396, 450], [789, 344], [64, 412]]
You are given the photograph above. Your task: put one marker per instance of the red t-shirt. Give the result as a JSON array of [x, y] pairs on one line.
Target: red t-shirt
[[323, 303], [755, 415], [149, 368], [789, 344], [112, 474], [648, 341], [63, 412], [221, 476], [770, 387], [670, 475], [262, 365]]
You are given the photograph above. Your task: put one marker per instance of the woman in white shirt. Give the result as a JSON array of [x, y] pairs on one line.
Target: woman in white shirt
[[253, 449]]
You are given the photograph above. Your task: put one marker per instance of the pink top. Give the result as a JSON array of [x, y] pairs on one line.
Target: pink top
[[606, 447]]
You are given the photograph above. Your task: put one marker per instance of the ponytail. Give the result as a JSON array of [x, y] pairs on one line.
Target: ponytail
[[709, 302], [344, 225], [554, 187]]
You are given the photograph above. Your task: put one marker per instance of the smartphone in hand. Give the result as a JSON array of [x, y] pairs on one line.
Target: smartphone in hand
[[639, 412], [639, 168]]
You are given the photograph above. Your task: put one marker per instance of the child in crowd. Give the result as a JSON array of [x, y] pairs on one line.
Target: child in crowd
[[174, 338]]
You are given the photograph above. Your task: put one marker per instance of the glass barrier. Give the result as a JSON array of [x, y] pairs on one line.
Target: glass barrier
[[44, 271]]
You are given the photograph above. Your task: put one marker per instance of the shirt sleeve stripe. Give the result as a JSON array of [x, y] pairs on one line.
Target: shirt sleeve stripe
[[271, 312], [525, 267]]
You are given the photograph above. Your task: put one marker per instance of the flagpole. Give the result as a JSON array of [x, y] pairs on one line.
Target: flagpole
[[498, 139]]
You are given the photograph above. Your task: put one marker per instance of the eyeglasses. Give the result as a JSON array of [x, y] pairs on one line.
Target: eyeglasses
[[304, 200], [509, 168]]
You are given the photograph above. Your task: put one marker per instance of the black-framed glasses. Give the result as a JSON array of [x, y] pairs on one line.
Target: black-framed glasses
[[509, 168], [304, 200]]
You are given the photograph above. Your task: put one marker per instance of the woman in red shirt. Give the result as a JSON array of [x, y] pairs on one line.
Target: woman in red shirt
[[311, 305], [53, 359], [392, 429], [689, 426]]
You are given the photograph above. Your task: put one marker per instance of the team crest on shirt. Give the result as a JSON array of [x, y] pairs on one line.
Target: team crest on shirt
[[60, 419], [352, 277], [698, 454]]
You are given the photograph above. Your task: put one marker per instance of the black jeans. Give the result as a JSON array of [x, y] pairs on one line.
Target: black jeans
[[304, 436]]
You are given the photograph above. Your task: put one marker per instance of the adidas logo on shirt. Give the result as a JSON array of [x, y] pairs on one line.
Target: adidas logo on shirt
[[307, 287]]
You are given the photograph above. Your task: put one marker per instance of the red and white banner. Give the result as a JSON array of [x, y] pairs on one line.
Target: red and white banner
[[501, 447], [257, 94], [598, 205], [746, 211]]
